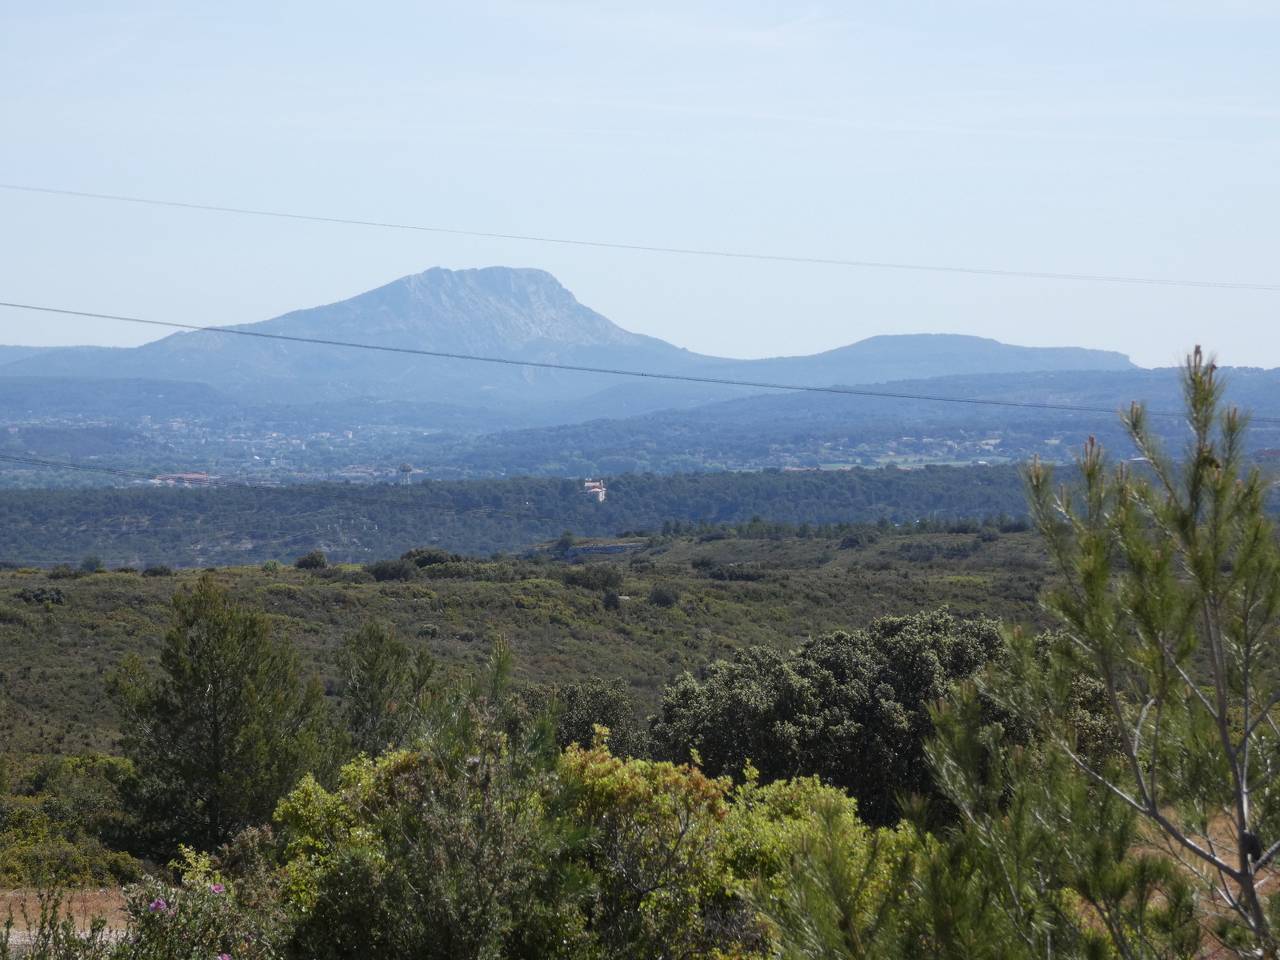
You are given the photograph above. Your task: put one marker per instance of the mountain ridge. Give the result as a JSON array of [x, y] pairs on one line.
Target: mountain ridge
[[521, 314]]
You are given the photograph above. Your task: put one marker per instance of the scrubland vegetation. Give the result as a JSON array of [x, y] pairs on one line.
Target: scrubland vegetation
[[729, 742], [147, 526]]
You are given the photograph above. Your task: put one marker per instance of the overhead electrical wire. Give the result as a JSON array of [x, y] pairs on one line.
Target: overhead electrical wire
[[606, 371], [654, 248]]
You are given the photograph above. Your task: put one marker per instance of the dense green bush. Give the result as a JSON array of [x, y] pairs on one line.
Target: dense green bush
[[392, 570], [315, 560], [63, 820], [664, 595], [483, 843], [596, 576], [429, 556], [580, 709], [852, 708], [53, 595]]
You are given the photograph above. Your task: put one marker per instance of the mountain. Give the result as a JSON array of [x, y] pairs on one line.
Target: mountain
[[791, 429], [884, 359], [28, 397], [523, 315], [10, 354]]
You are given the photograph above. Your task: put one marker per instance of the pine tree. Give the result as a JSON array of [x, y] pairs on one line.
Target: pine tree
[[225, 728], [1170, 605], [385, 688]]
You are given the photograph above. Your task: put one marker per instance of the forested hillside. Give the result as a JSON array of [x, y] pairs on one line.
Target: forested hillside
[[234, 524]]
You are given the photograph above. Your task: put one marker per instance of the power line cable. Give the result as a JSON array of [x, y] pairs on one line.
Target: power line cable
[[606, 371], [655, 248]]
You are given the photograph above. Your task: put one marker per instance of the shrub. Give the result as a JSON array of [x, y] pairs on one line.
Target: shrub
[[852, 708], [582, 708], [271, 566], [429, 556], [655, 830], [13, 616], [53, 932], [41, 595], [664, 595], [596, 576], [857, 539], [92, 564], [442, 852], [64, 572], [157, 570], [735, 572], [201, 917], [315, 560], [392, 570], [59, 816]]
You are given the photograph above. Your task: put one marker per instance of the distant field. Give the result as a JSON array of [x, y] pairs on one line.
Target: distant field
[[732, 592]]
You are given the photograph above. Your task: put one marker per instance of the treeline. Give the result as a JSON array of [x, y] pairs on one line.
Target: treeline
[[233, 525]]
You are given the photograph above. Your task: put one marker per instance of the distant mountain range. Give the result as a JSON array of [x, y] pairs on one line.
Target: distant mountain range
[[518, 314], [285, 411]]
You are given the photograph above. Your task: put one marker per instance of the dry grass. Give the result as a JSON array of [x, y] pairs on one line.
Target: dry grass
[[83, 906]]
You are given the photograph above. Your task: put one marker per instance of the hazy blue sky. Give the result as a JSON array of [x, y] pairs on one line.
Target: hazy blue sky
[[1112, 137]]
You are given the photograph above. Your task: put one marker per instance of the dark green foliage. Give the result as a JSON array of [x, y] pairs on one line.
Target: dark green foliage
[[385, 685], [157, 570], [664, 595], [392, 570], [596, 576], [429, 556], [247, 525], [581, 707], [849, 707], [41, 595], [315, 560], [224, 729], [92, 564]]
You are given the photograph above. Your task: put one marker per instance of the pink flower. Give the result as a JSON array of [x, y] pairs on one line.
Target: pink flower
[[158, 905], [223, 956], [218, 888]]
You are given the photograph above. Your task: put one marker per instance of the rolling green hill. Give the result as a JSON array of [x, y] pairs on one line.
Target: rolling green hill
[[61, 635]]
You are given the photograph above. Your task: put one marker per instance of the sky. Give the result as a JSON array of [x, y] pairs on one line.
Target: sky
[[1137, 138]]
